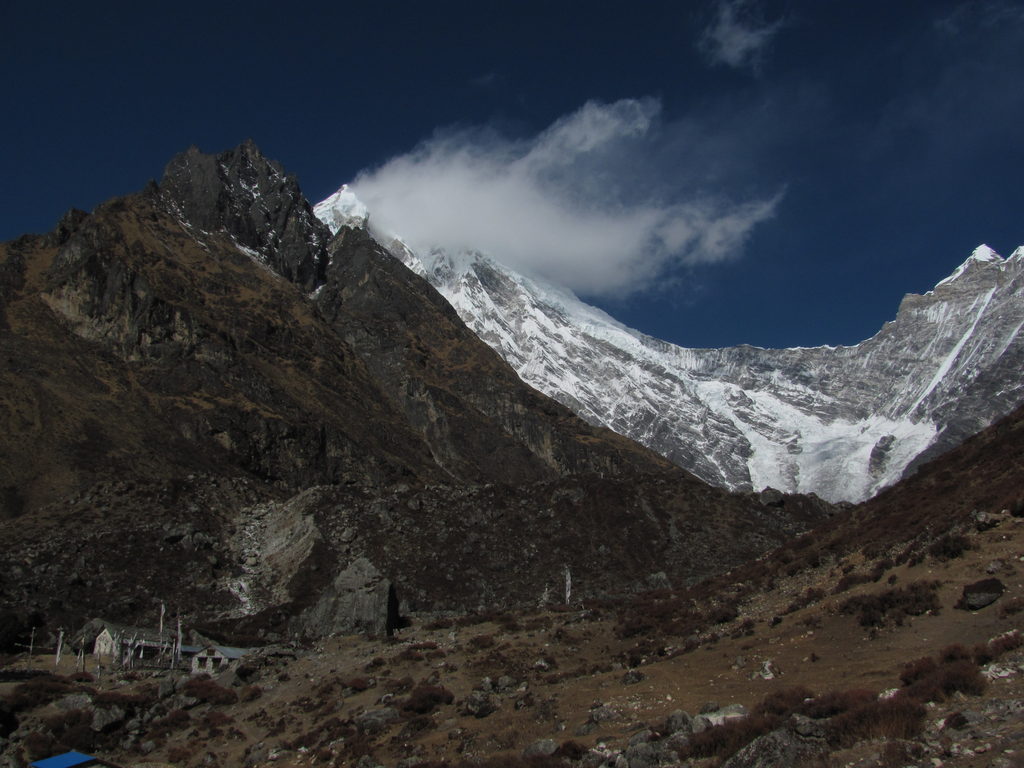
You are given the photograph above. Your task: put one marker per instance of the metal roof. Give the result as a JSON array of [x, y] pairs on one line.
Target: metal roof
[[67, 760], [229, 652]]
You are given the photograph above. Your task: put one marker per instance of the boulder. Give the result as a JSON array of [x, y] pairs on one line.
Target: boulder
[[356, 601], [374, 721], [74, 701], [779, 749], [541, 748], [479, 704], [679, 722], [980, 594], [645, 755], [633, 677], [104, 719]]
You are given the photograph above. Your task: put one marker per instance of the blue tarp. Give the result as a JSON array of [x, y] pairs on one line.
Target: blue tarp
[[67, 760]]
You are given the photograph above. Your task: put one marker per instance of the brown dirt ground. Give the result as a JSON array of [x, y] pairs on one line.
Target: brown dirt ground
[[568, 660]]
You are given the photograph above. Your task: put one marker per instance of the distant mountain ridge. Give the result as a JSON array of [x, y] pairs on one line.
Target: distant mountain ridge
[[840, 422]]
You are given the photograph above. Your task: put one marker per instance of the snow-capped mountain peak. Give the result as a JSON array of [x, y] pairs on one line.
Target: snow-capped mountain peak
[[342, 209], [982, 255], [841, 422]]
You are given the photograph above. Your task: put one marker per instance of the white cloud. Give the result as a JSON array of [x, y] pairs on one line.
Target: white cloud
[[592, 203], [738, 36]]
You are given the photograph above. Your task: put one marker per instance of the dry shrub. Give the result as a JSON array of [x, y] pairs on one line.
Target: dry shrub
[[359, 684], [982, 654], [896, 754], [508, 623], [897, 718], [215, 719], [72, 730], [439, 623], [927, 681], [836, 702], [723, 614], [401, 685], [784, 701], [511, 761], [956, 652], [39, 745], [480, 642], [570, 750], [410, 654], [425, 698], [810, 596], [744, 629], [1011, 607], [209, 692], [250, 693], [1010, 641], [179, 755], [724, 740], [415, 726], [851, 580], [39, 691], [324, 733], [658, 612], [175, 720], [949, 547], [917, 670], [873, 610]]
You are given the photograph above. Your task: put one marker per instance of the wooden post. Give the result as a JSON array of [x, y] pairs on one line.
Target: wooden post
[[60, 647]]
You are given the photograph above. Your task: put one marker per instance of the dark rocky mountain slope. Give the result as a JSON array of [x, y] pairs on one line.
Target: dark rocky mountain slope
[[208, 401]]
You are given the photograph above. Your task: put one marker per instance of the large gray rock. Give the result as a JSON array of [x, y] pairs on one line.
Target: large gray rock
[[679, 722], [981, 594], [74, 701], [541, 748], [479, 704], [107, 717], [646, 755], [374, 721], [779, 749], [355, 601]]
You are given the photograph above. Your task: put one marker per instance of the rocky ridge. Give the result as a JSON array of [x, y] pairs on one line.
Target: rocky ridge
[[210, 402]]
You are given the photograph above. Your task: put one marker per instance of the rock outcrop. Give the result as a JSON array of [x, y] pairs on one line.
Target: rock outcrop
[[209, 405]]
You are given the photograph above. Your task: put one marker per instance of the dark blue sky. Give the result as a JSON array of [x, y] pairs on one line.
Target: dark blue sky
[[887, 136]]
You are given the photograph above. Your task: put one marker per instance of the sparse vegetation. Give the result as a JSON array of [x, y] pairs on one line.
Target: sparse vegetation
[[878, 608], [724, 740], [39, 691], [927, 679], [1011, 607], [208, 691], [949, 547], [897, 718], [426, 698]]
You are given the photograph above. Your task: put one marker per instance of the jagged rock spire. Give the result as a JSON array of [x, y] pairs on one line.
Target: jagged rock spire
[[251, 198]]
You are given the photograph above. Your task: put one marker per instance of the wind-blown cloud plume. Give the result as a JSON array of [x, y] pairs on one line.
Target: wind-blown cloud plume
[[738, 36], [571, 204]]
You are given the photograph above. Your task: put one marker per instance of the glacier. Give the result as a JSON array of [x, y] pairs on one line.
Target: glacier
[[842, 422]]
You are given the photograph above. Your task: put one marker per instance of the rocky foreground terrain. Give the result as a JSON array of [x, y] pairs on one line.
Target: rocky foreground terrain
[[903, 647]]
